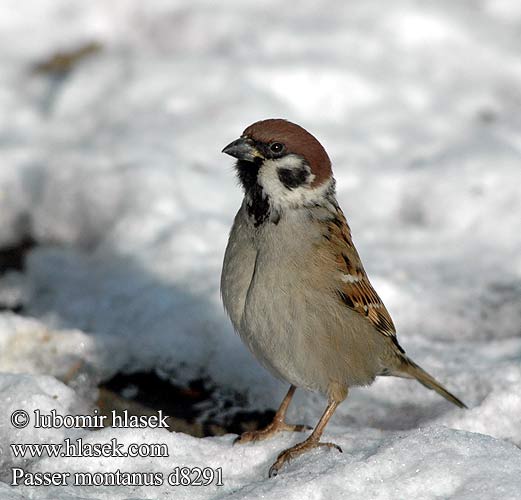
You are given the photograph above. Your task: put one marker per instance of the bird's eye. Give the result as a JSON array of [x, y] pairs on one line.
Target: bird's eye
[[276, 147]]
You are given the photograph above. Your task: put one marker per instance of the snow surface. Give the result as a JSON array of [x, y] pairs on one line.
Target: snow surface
[[115, 170]]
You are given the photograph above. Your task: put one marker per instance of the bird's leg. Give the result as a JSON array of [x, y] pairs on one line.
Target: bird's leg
[[313, 441], [277, 425]]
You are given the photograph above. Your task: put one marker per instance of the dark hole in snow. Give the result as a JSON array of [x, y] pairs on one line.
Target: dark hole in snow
[[13, 257], [197, 410], [18, 308]]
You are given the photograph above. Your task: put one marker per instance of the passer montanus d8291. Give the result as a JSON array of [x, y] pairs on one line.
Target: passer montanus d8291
[[293, 283]]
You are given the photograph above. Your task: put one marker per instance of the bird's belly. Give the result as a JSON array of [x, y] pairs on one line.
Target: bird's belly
[[274, 336], [295, 331]]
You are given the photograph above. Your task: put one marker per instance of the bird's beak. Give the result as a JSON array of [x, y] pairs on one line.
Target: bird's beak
[[242, 149]]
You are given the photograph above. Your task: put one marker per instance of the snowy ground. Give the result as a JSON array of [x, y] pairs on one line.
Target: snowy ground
[[115, 170]]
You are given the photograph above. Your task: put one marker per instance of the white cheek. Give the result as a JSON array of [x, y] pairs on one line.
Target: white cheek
[[280, 196]]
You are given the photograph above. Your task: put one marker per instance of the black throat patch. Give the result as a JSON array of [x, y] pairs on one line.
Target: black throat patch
[[257, 204]]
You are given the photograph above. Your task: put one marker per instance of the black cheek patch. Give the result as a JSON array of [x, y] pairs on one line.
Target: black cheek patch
[[293, 177]]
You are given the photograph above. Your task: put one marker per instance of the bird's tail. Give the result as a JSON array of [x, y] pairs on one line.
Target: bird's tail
[[410, 369]]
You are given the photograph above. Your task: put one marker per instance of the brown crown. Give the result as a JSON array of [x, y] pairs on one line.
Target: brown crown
[[297, 140]]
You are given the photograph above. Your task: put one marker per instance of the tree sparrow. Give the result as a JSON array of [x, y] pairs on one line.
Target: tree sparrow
[[293, 283]]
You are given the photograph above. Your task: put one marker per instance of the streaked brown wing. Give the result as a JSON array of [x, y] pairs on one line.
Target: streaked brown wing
[[355, 289]]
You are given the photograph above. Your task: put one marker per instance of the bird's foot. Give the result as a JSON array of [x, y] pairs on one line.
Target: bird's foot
[[270, 430], [297, 450]]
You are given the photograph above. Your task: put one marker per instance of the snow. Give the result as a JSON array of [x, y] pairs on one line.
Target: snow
[[115, 170]]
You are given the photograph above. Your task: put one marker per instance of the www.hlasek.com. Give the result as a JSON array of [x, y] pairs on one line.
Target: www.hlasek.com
[[178, 476]]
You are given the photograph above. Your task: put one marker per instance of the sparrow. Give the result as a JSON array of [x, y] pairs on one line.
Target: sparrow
[[294, 286]]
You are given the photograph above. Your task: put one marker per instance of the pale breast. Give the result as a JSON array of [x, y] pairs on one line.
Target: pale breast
[[238, 266], [279, 296], [280, 324]]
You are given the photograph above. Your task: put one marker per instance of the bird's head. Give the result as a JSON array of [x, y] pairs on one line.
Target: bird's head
[[283, 163]]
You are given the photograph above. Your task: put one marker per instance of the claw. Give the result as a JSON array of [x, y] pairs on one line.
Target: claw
[[297, 450]]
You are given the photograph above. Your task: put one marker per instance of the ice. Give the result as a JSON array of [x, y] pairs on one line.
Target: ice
[[114, 169]]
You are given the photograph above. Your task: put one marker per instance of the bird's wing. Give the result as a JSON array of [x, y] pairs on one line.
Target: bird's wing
[[354, 288]]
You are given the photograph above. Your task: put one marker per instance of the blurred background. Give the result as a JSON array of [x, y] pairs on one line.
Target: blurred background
[[115, 201]]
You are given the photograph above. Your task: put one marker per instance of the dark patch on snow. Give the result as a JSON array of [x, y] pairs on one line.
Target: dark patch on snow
[[13, 257], [198, 410]]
